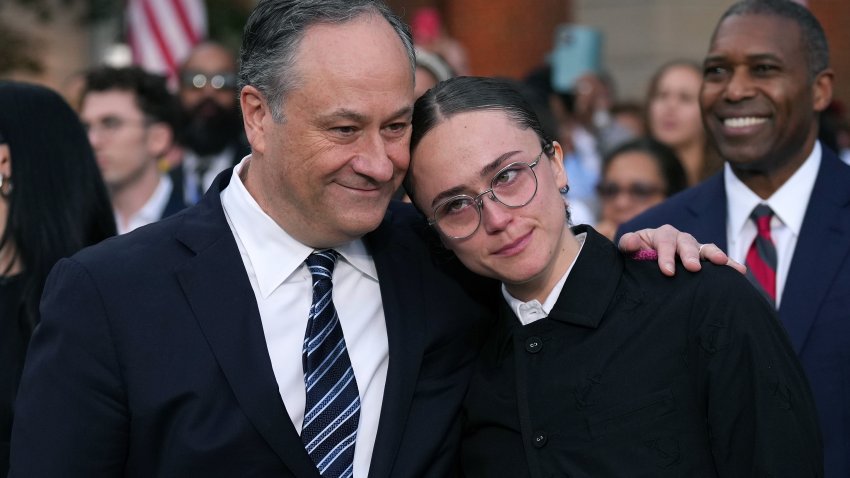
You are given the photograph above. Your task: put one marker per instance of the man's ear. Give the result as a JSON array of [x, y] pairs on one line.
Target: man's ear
[[160, 138], [255, 111], [822, 89]]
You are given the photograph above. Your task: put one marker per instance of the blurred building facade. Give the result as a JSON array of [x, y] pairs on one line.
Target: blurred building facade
[[510, 37]]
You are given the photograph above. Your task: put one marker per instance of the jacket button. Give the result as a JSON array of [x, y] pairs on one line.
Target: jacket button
[[533, 345], [539, 440]]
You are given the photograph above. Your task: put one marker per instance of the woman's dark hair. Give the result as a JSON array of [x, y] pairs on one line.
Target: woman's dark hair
[[58, 203], [471, 93], [665, 158]]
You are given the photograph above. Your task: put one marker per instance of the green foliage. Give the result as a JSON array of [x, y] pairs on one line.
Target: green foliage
[[226, 19], [92, 9]]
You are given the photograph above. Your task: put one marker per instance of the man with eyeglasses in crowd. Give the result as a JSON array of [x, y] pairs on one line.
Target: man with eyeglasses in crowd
[[131, 118], [212, 134]]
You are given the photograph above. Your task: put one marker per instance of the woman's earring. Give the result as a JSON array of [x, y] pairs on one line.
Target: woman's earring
[[564, 190], [5, 186]]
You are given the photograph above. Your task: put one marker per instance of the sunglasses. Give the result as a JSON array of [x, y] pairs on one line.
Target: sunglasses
[[199, 80], [636, 191]]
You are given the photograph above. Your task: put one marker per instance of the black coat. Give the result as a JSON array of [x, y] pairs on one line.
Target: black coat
[[635, 374]]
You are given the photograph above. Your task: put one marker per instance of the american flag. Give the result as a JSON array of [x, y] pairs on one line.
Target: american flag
[[162, 32]]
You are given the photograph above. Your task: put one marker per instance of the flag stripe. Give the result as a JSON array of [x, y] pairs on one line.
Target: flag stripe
[[152, 22], [183, 17], [161, 33]]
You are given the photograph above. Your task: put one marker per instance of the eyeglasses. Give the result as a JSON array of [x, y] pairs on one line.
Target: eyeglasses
[[640, 192], [514, 186], [110, 125], [198, 80]]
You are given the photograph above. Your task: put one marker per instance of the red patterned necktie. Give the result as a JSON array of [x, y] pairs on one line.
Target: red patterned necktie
[[761, 258]]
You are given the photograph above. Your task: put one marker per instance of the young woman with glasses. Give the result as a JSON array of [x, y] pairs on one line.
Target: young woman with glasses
[[597, 365]]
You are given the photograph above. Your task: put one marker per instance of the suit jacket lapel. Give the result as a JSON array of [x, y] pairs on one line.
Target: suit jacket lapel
[[823, 244], [708, 210], [401, 282], [217, 288]]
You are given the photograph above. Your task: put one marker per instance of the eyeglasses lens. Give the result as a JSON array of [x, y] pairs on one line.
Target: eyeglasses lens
[[514, 186]]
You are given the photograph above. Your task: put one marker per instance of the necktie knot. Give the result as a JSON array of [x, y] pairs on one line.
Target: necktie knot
[[321, 264], [761, 216]]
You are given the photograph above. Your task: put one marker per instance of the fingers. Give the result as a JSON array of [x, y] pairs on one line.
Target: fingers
[[630, 242], [715, 255], [737, 266], [667, 241], [662, 240]]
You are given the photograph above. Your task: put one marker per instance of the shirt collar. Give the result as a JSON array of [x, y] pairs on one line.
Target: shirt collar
[[789, 202], [518, 306], [274, 254], [153, 208]]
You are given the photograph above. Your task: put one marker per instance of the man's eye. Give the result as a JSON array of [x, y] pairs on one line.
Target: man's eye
[[763, 68], [344, 130], [397, 127], [713, 71], [111, 123]]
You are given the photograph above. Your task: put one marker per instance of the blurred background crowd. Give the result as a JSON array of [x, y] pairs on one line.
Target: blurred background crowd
[[616, 82]]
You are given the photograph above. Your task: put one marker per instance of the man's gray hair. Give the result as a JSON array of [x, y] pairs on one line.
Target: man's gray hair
[[275, 29]]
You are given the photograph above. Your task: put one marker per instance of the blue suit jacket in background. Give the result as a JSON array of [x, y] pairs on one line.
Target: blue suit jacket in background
[[815, 305]]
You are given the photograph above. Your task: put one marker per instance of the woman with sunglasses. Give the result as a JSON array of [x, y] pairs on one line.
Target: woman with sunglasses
[[636, 176], [597, 364]]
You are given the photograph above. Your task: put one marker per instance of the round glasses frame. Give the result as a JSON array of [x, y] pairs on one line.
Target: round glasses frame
[[478, 199]]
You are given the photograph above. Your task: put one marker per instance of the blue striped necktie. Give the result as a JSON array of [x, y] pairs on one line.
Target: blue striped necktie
[[332, 409]]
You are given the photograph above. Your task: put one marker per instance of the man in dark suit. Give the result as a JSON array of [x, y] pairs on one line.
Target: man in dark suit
[[212, 343], [212, 133], [767, 77]]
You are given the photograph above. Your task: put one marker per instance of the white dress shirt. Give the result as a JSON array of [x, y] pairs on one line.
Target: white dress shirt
[[789, 204], [282, 285], [151, 211], [533, 310]]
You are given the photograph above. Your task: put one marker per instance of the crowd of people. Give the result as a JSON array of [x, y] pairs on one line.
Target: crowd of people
[[256, 304]]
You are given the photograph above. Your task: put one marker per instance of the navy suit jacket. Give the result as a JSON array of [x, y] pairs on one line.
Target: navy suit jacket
[[815, 305], [150, 359], [175, 202]]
